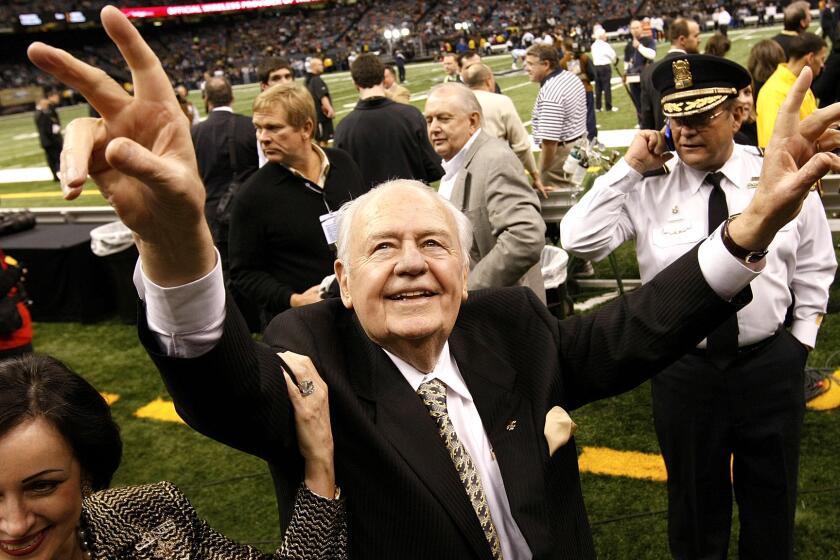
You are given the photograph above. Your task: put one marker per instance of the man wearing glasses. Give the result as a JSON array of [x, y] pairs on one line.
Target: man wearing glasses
[[739, 395]]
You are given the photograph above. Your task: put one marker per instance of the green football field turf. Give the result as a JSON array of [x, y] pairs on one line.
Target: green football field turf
[[233, 490]]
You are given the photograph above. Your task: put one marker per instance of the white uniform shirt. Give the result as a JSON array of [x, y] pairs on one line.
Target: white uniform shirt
[[602, 53], [667, 215]]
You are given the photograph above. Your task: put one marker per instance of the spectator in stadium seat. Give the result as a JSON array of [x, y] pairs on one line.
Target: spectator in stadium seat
[[323, 102], [60, 447], [797, 20], [807, 49], [501, 120], [393, 90], [685, 39], [559, 115], [386, 139], [49, 130], [485, 180], [273, 70], [279, 252]]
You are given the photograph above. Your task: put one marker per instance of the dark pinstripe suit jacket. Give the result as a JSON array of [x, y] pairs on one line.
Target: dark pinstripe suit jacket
[[404, 498]]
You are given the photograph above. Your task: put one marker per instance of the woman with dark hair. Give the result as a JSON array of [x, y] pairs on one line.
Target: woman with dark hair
[[765, 57], [717, 45], [59, 448]]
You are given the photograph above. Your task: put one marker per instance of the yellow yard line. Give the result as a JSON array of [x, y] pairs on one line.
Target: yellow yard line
[[632, 464], [46, 194], [159, 409], [110, 398]]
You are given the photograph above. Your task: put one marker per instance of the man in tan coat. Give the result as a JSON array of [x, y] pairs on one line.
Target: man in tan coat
[[486, 181], [500, 119]]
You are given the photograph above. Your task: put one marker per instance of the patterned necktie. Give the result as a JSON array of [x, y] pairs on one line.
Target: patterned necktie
[[722, 343], [433, 394]]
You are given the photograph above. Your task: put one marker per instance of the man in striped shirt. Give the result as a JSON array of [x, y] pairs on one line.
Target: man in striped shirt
[[559, 115]]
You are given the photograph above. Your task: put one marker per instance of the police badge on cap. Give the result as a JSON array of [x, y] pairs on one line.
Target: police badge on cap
[[695, 83]]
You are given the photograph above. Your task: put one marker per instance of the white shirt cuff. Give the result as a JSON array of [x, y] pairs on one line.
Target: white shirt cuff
[[805, 330], [187, 320], [725, 274]]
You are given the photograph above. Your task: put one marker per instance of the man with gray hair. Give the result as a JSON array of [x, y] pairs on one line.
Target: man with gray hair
[[797, 20], [484, 179], [501, 120]]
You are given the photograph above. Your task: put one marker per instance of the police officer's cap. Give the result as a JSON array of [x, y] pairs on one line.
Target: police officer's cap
[[696, 83]]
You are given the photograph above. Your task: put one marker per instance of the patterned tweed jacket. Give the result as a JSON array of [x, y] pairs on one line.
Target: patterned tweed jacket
[[157, 522]]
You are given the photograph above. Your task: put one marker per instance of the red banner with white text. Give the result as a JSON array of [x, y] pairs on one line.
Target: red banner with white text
[[208, 8]]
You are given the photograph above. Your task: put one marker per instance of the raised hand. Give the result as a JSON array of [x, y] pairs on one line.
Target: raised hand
[[312, 422], [793, 162], [139, 153], [647, 151]]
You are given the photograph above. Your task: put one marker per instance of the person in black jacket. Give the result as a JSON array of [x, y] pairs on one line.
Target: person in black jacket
[[826, 87], [225, 147], [279, 251], [49, 130], [387, 140]]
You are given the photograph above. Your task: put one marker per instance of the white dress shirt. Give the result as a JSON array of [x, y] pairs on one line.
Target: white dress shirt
[[470, 430], [668, 214], [602, 53], [453, 166]]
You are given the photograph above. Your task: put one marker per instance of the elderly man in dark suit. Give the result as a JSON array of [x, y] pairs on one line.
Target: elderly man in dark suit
[[497, 358]]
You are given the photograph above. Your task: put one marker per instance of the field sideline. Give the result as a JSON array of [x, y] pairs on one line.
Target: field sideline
[[233, 490]]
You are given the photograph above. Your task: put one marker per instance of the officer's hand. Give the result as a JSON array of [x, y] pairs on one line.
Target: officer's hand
[[792, 165], [139, 153], [647, 151]]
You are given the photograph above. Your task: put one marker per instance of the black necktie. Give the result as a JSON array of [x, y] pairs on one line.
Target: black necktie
[[722, 343]]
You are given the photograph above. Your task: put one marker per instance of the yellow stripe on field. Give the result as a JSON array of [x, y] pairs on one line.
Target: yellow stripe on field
[[632, 464], [46, 194], [110, 398], [159, 409]]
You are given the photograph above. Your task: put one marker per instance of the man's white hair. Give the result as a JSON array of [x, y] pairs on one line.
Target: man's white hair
[[467, 102], [348, 211]]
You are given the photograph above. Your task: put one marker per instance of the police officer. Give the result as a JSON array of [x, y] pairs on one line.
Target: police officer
[[739, 394]]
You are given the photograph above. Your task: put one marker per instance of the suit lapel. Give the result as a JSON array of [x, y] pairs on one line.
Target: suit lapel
[[404, 421], [509, 422]]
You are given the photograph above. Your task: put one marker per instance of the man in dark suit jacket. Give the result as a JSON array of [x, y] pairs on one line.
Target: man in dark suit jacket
[[387, 140], [685, 38], [49, 130], [403, 275], [225, 147]]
